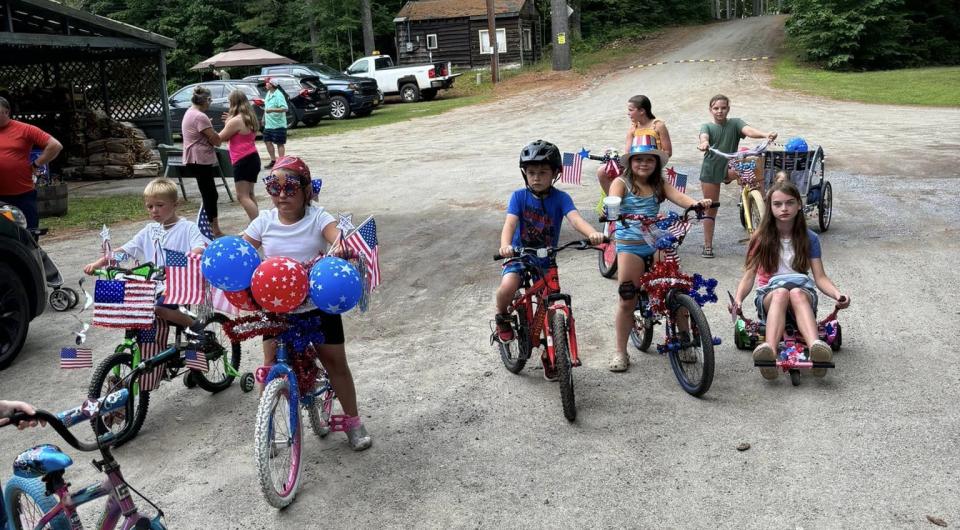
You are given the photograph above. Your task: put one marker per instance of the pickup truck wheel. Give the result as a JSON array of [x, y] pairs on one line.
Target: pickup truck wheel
[[339, 108], [428, 95], [410, 93], [14, 315]]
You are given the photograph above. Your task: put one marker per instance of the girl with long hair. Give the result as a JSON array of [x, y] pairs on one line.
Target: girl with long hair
[[642, 123], [241, 131], [781, 255]]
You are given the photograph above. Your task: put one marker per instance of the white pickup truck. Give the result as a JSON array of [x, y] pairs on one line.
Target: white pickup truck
[[412, 83]]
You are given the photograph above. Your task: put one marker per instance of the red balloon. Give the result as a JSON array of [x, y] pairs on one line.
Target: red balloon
[[242, 299], [280, 284]]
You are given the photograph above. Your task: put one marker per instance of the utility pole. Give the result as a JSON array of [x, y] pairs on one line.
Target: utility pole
[[561, 34], [492, 32]]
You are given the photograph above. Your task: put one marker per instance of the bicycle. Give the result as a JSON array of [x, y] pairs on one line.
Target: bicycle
[[550, 325], [290, 383], [749, 167], [38, 497], [793, 354], [607, 259], [668, 293], [128, 358]]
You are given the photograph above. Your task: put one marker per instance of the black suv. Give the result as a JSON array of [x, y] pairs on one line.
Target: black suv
[[219, 91], [348, 94], [23, 288], [306, 96]]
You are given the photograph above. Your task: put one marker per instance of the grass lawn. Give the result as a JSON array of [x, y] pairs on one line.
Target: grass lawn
[[937, 87], [91, 213]]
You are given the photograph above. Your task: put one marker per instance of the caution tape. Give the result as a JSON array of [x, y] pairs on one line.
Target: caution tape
[[681, 61]]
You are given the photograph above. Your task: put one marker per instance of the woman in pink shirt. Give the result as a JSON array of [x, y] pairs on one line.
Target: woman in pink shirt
[[199, 155], [241, 131]]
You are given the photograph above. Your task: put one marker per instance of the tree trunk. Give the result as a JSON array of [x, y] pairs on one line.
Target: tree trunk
[[366, 18], [728, 10], [314, 38]]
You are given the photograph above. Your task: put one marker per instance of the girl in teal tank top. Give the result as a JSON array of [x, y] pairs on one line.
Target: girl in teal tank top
[[641, 189]]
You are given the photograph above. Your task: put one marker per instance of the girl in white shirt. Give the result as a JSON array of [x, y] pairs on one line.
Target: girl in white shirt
[[297, 229]]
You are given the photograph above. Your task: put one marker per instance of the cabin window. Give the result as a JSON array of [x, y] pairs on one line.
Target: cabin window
[[485, 41], [527, 39], [432, 41]]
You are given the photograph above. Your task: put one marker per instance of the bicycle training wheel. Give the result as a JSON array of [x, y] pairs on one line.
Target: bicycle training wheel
[[561, 353], [641, 334], [277, 445], [124, 423], [608, 258], [27, 502], [693, 363], [218, 377], [755, 203], [515, 353]]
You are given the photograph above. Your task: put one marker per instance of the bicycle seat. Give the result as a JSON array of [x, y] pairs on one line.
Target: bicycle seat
[[41, 460]]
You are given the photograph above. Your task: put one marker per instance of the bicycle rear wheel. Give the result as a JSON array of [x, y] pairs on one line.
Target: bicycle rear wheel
[[561, 352], [641, 335], [755, 202], [608, 258], [26, 502], [277, 445], [217, 377], [693, 363], [125, 423], [320, 411]]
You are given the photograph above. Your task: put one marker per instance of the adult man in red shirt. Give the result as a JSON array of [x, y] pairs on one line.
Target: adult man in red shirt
[[16, 170]]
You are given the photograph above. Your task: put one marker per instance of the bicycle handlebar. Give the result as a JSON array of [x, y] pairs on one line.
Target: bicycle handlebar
[[753, 151], [146, 271], [651, 220], [62, 421], [546, 252]]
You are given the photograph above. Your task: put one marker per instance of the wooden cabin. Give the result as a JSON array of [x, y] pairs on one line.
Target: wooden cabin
[[457, 31]]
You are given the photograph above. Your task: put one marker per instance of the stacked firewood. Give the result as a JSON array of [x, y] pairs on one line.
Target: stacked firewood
[[109, 149]]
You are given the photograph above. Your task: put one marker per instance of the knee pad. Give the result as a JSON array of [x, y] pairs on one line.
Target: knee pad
[[627, 291]]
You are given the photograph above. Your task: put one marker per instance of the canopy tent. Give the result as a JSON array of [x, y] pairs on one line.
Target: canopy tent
[[242, 55]]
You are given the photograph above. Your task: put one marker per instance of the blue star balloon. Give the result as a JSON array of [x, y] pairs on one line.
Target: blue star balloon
[[335, 285], [228, 263]]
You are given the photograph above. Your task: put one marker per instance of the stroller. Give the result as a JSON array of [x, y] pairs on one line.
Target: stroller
[[61, 298]]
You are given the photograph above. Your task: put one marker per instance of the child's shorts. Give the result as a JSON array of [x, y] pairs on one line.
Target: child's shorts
[[515, 266], [275, 136], [786, 281], [643, 252], [330, 325], [247, 168]]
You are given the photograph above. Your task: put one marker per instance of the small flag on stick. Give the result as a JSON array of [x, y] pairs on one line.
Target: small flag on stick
[[71, 358]]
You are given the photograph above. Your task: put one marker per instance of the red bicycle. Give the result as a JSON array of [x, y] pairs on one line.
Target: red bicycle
[[541, 315]]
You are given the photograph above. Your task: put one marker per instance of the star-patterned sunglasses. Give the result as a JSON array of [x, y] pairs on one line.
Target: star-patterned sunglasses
[[274, 188]]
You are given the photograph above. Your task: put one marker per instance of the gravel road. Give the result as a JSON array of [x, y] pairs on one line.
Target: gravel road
[[460, 442]]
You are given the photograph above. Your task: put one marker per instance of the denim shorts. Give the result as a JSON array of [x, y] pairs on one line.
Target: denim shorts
[[515, 266], [275, 136]]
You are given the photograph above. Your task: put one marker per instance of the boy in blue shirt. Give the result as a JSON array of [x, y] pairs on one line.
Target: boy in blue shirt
[[534, 216]]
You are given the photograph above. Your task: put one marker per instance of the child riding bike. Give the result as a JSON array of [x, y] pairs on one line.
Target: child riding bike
[[781, 254], [641, 188], [167, 231], [534, 216]]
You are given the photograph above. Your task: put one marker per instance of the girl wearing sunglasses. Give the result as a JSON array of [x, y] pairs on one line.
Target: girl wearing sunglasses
[[298, 229]]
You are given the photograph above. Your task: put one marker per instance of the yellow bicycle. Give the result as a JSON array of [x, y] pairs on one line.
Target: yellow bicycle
[[748, 164]]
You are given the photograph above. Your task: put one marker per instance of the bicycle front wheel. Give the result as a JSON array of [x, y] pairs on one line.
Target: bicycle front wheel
[[692, 363], [608, 258], [755, 203], [219, 377], [561, 353], [277, 445], [27, 502], [124, 423]]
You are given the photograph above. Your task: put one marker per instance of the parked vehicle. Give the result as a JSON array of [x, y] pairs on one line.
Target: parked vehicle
[[219, 91], [348, 94], [412, 83], [23, 287], [306, 96]]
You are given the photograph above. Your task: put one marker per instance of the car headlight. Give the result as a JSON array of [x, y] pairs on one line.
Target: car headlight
[[14, 214]]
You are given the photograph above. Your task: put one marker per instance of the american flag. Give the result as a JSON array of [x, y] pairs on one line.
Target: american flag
[[152, 341], [218, 301], [677, 180], [184, 278], [196, 360], [126, 304], [572, 166], [363, 240], [76, 358], [203, 223]]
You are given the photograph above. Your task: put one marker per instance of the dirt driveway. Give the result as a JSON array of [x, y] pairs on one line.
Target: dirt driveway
[[460, 442]]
